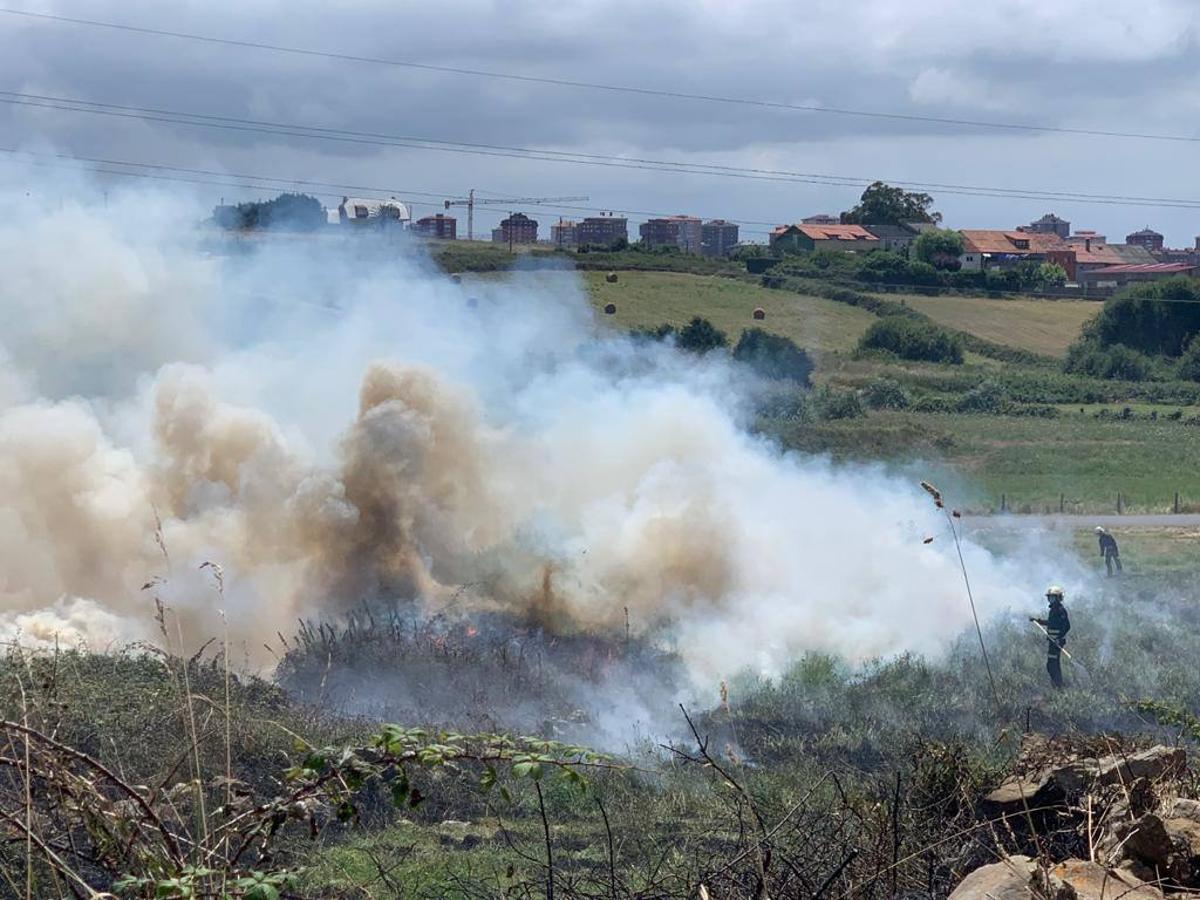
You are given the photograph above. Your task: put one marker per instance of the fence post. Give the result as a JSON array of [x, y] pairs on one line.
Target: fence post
[[1062, 503], [1119, 505], [1177, 501], [1003, 502]]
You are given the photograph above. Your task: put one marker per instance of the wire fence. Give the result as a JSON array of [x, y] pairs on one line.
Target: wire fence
[[1118, 504]]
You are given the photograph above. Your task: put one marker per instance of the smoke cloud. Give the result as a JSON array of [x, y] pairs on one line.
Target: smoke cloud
[[333, 422]]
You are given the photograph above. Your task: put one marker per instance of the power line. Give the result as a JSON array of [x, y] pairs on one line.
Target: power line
[[312, 186], [230, 123], [598, 86]]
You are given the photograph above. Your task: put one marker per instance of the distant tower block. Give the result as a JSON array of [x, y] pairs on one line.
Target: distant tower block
[[760, 313], [610, 309]]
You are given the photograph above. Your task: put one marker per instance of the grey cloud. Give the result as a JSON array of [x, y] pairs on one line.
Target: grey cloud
[[1105, 65]]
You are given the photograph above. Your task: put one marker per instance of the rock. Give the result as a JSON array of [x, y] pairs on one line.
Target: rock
[[1153, 764], [1185, 834], [1185, 809], [1143, 841], [1018, 792], [1014, 878], [1153, 848], [611, 277], [1069, 780], [1091, 881]]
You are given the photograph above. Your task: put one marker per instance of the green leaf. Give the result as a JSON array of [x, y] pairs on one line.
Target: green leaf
[[262, 892], [488, 779], [400, 788]]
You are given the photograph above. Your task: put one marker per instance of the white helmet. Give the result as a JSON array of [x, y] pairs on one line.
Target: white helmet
[[1054, 591], [1099, 529]]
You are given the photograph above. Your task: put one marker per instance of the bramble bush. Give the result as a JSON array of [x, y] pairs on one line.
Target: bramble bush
[[910, 338]]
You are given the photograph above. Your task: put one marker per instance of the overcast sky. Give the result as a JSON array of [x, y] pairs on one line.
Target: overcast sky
[[1104, 64]]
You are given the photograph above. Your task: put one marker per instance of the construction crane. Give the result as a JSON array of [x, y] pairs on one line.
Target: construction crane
[[470, 203]]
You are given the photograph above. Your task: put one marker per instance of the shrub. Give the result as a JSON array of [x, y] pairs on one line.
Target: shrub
[[786, 404], [884, 393], [922, 273], [1189, 363], [884, 267], [987, 397], [661, 333], [1050, 275], [287, 212], [832, 403], [701, 336], [1139, 320], [1002, 280], [773, 356], [933, 403], [941, 248], [1119, 362], [911, 338]]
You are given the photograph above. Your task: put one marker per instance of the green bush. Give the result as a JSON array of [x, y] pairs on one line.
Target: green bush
[[661, 333], [910, 338], [987, 397], [1138, 318], [884, 393], [773, 356], [1118, 361], [785, 404], [832, 403], [940, 247], [1189, 363], [701, 336], [884, 267], [934, 403]]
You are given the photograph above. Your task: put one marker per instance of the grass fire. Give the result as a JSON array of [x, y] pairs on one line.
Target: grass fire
[[339, 577]]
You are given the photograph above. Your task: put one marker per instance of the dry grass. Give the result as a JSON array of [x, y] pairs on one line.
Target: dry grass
[[1041, 326], [648, 299]]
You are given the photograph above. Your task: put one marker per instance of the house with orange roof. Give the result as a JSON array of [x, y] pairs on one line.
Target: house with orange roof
[[809, 237], [994, 248]]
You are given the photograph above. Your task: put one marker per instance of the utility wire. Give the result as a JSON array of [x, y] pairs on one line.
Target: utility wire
[[45, 160], [62, 160], [493, 150], [598, 86]]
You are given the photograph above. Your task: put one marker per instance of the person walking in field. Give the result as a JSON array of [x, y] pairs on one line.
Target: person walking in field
[[1109, 550], [1056, 624]]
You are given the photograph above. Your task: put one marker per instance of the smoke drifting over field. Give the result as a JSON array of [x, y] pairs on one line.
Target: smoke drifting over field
[[332, 424]]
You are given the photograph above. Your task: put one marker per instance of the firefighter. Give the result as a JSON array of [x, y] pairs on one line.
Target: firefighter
[[1109, 550], [1057, 623]]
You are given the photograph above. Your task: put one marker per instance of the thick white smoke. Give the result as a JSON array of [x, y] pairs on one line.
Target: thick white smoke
[[332, 422]]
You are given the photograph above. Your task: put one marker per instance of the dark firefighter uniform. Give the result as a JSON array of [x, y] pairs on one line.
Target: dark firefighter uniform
[[1109, 550], [1057, 623]]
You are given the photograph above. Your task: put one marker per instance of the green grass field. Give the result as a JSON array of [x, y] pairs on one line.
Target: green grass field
[[1042, 326], [648, 299], [1034, 463]]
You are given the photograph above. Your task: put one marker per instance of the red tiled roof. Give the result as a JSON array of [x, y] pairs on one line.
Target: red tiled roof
[[997, 241], [836, 233], [1145, 269]]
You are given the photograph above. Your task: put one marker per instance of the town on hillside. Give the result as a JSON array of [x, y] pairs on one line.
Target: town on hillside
[[1080, 261]]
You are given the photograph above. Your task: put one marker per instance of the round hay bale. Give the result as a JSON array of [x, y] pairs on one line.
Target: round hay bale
[[610, 309], [611, 277], [456, 278], [759, 313]]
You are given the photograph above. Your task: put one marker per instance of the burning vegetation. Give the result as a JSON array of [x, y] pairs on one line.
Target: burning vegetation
[[566, 626]]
